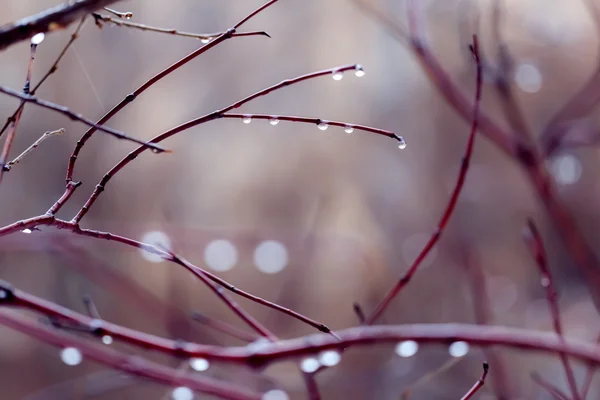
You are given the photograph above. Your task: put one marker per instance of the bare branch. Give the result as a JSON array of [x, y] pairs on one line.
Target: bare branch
[[479, 384]]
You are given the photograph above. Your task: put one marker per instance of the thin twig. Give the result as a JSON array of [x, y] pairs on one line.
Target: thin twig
[[205, 37], [33, 146], [536, 247], [99, 188], [12, 128], [150, 82], [78, 117], [383, 305], [479, 384], [428, 377], [550, 388], [225, 328], [589, 377]]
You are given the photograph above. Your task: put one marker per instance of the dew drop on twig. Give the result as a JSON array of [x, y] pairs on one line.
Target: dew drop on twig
[[246, 119], [26, 230], [182, 393], [107, 339], [38, 38], [407, 348], [349, 129], [309, 365], [329, 358], [275, 394], [273, 121], [337, 75], [401, 143], [359, 71], [206, 40], [199, 364], [323, 126], [458, 349]]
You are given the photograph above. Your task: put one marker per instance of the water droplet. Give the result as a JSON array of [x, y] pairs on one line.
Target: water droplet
[[107, 339], [408, 348], [155, 151], [359, 71], [275, 394], [337, 75], [401, 143], [309, 365], [38, 38], [545, 281], [128, 15], [349, 129], [206, 40], [270, 257], [71, 356], [182, 393], [566, 169], [220, 255], [329, 358], [323, 125], [26, 230], [246, 119], [458, 349], [273, 121], [199, 364]]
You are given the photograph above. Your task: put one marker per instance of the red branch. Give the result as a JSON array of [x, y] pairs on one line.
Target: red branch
[[198, 121], [536, 247], [479, 384], [130, 364], [451, 203]]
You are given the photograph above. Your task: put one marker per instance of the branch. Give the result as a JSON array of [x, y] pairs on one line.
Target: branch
[[33, 146], [52, 19], [134, 365], [553, 390], [150, 82], [78, 117], [480, 382], [383, 305], [205, 37], [536, 247], [204, 119]]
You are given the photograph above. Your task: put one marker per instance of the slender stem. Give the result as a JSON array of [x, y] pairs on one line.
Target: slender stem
[[78, 117], [12, 130], [52, 19], [33, 146], [218, 290], [589, 377], [405, 279], [149, 83], [198, 121], [479, 384], [314, 121], [536, 247], [174, 32], [129, 364], [225, 328]]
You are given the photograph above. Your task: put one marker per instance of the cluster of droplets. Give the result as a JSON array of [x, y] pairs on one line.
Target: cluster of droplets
[[359, 71], [328, 358]]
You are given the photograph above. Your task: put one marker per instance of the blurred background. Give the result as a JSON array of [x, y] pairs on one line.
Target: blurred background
[[313, 220]]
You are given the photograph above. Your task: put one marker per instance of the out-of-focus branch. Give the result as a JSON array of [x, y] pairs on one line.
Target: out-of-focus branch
[[479, 384], [550, 388], [52, 19], [536, 247]]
